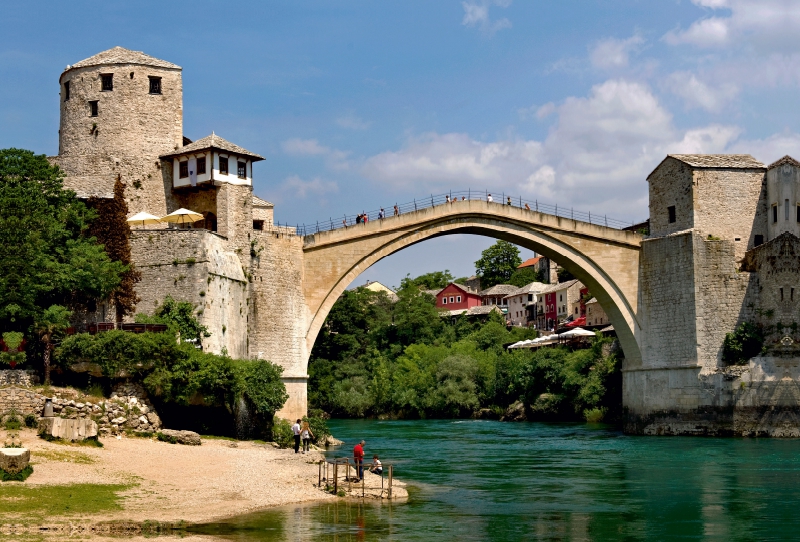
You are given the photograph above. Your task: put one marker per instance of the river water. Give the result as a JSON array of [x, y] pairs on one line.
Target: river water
[[484, 480]]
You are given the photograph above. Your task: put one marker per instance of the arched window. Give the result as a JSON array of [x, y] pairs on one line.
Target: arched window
[[210, 221]]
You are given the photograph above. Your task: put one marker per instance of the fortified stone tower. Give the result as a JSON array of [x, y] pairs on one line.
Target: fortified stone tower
[[783, 198], [120, 111]]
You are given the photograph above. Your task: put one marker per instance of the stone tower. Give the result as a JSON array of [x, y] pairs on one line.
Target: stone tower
[[120, 111]]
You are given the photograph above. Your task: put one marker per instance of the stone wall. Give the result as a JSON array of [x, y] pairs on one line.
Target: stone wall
[[20, 401], [195, 266], [18, 377], [671, 185], [132, 129]]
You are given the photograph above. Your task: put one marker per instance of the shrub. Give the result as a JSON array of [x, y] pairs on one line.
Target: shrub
[[20, 476], [282, 434], [166, 438], [31, 420], [13, 423], [744, 343], [318, 425]]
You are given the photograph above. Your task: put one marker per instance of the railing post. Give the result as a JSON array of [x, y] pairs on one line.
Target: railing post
[[572, 213], [556, 209], [415, 204], [335, 477], [590, 217], [537, 205], [431, 200], [606, 217], [391, 472]]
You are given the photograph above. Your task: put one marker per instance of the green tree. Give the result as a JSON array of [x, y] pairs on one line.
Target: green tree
[[564, 275], [112, 231], [49, 324], [179, 315], [526, 275], [429, 281], [497, 264]]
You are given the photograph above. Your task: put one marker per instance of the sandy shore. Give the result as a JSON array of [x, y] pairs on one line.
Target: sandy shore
[[172, 482]]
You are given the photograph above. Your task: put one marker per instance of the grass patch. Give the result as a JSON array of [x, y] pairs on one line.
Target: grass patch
[[63, 456], [47, 501], [93, 442], [166, 438], [216, 437], [20, 476]]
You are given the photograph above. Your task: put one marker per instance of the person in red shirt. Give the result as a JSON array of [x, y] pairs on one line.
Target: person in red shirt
[[358, 458]]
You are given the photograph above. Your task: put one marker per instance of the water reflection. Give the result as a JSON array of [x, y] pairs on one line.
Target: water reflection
[[510, 482]]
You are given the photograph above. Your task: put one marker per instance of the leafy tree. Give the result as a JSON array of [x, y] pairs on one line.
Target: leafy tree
[[744, 343], [179, 315], [112, 230], [261, 385], [49, 324], [526, 275], [428, 281], [564, 275], [416, 318], [497, 264], [50, 264]]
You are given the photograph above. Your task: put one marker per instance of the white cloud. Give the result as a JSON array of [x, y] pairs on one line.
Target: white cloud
[[704, 33], [612, 53], [334, 159], [352, 122], [295, 187], [770, 148], [476, 15], [597, 155], [696, 93], [540, 112]]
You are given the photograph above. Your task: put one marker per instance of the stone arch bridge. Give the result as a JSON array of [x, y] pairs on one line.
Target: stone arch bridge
[[605, 259]]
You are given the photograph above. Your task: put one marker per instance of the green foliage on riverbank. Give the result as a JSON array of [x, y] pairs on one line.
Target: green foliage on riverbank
[[36, 503], [375, 358]]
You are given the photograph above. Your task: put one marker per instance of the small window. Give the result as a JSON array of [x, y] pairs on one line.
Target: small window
[[183, 170], [258, 224], [451, 299], [201, 165], [93, 108], [66, 98], [444, 301], [759, 240], [786, 209], [671, 213], [241, 170], [781, 294], [107, 82], [791, 295], [223, 165], [774, 213], [155, 85], [798, 213], [458, 298]]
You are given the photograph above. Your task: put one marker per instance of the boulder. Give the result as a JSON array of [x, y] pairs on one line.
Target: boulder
[[190, 438], [13, 460], [331, 441], [71, 430], [515, 413], [485, 414]]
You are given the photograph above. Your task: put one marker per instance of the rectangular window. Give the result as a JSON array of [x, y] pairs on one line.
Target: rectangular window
[[775, 213], [201, 165], [444, 301], [458, 298], [786, 209], [759, 240], [223, 165], [183, 170], [155, 85], [798, 213], [671, 213], [93, 108], [107, 82], [791, 295], [241, 170], [781, 294], [451, 299], [258, 224], [66, 97]]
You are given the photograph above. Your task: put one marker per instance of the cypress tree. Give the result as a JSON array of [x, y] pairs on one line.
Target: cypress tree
[[112, 231]]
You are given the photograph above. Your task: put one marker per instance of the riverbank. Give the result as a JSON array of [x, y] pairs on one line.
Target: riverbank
[[146, 480]]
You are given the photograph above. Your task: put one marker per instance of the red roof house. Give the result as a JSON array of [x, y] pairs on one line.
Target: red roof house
[[457, 297]]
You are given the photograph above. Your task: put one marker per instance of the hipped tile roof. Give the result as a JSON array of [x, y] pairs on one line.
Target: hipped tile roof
[[120, 55]]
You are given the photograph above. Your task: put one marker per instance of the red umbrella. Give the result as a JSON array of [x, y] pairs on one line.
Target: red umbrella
[[579, 322]]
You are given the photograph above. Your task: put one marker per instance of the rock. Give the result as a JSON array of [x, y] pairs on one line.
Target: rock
[[189, 438], [485, 414], [79, 405], [71, 430], [119, 421], [153, 418], [143, 420], [13, 460], [331, 441], [515, 413]]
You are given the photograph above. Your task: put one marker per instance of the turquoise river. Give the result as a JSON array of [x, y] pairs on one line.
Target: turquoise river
[[484, 480]]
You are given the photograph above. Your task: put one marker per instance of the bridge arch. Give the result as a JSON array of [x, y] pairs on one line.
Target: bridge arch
[[606, 260]]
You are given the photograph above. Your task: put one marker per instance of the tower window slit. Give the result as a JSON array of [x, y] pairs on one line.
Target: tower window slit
[[66, 98], [671, 213], [775, 213], [107, 82], [93, 108], [786, 209], [781, 294]]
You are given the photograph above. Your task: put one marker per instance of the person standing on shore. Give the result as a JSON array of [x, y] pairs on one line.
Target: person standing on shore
[[296, 431], [306, 434], [358, 459]]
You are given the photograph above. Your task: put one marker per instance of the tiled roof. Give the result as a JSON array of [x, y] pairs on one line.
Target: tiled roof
[[499, 289], [258, 202], [214, 142], [785, 160], [533, 287], [558, 286], [475, 311], [120, 55], [434, 293], [718, 160], [592, 300], [529, 262]]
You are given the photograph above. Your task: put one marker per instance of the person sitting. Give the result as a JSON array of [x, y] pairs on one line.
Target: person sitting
[[377, 467]]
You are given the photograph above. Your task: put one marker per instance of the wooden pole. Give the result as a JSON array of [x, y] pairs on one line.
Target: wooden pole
[[336, 477], [391, 472]]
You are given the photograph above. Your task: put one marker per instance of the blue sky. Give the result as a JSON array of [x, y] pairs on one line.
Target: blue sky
[[356, 104]]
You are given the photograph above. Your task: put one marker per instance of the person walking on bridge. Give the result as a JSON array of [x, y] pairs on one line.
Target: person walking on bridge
[[381, 214], [396, 211], [489, 198]]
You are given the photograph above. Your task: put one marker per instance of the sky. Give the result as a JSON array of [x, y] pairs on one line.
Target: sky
[[357, 105]]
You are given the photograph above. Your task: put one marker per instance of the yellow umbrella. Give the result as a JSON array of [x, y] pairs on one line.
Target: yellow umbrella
[[142, 219], [182, 216]]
